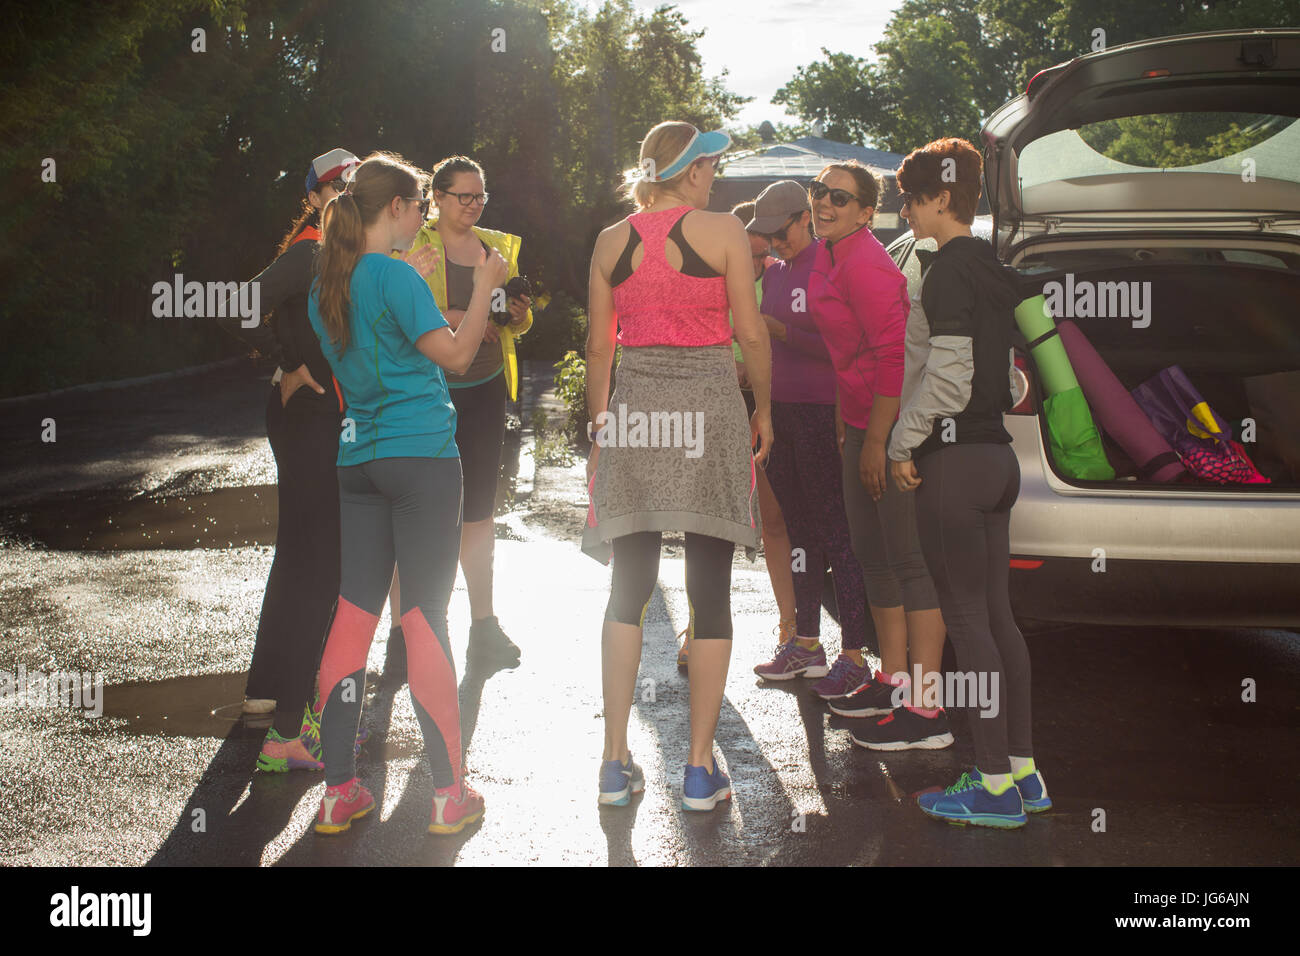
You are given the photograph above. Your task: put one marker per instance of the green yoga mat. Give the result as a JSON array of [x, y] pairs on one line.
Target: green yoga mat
[[1075, 443], [1045, 346]]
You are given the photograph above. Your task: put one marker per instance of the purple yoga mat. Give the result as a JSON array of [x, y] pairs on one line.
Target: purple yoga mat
[[1116, 412]]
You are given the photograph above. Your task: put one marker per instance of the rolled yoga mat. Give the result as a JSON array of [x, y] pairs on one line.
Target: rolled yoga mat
[[1116, 411], [1071, 434], [1039, 330]]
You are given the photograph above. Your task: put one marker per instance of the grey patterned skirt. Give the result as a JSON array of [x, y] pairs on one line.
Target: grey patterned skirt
[[675, 452]]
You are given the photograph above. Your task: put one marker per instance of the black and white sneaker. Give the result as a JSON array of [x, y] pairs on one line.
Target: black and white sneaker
[[904, 729], [875, 698]]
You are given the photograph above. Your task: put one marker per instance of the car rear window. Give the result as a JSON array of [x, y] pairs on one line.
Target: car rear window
[[1232, 144]]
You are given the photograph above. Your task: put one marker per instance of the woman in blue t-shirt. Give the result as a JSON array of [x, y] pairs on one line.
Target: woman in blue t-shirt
[[399, 472]]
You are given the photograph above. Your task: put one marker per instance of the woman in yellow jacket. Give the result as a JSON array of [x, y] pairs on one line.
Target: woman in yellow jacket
[[480, 394]]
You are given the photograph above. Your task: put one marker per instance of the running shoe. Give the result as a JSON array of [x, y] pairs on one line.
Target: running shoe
[[487, 640], [1033, 791], [684, 649], [843, 678], [702, 790], [968, 802], [904, 729], [618, 781], [280, 755], [455, 808], [311, 725], [793, 660], [872, 698], [341, 805]]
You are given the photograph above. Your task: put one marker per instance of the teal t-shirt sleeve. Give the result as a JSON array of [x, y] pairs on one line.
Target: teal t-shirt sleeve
[[410, 301]]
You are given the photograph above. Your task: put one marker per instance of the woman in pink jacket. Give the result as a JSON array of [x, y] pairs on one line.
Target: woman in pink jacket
[[859, 301]]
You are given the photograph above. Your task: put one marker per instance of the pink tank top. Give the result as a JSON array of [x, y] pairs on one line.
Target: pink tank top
[[657, 305]]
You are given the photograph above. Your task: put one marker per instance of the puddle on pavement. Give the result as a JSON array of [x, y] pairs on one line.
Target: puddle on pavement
[[223, 518], [207, 705]]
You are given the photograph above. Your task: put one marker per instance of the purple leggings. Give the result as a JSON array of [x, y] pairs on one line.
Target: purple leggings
[[804, 471]]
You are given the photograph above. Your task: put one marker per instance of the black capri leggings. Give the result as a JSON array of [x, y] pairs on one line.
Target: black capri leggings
[[708, 581], [480, 433]]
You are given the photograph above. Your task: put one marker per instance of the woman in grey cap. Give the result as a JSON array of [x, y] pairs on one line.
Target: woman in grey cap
[[661, 284]]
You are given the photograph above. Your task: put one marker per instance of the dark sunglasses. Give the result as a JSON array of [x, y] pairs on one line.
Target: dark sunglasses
[[839, 197], [338, 185], [466, 199], [424, 204], [780, 234], [905, 200]]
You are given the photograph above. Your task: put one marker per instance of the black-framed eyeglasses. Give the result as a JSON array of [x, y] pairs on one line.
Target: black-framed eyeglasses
[[905, 200], [780, 234], [839, 197], [466, 199], [338, 185], [424, 204]]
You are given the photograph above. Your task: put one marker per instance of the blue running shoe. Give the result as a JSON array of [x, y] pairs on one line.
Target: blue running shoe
[[618, 781], [1033, 791], [967, 802], [702, 790]]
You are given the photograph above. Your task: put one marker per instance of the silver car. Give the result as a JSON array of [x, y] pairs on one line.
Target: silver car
[[1173, 162]]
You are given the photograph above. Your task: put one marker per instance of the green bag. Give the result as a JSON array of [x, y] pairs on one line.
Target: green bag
[[1075, 443]]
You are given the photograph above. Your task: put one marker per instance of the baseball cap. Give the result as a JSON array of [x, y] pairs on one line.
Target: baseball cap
[[714, 143], [331, 165], [776, 204]]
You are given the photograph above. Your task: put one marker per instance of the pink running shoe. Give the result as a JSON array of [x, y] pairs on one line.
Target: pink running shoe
[[455, 808], [343, 804]]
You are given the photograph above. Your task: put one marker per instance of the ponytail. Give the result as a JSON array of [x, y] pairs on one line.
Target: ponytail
[[344, 238], [343, 235]]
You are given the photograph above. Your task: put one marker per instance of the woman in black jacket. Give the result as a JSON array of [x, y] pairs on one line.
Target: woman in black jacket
[[949, 445], [303, 418]]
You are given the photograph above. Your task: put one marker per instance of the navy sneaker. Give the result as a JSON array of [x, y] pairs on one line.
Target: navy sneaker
[[968, 802], [873, 698], [618, 781], [702, 790], [1033, 791]]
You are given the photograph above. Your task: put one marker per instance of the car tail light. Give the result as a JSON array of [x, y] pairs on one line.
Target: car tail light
[[1024, 564], [1025, 406], [1148, 74]]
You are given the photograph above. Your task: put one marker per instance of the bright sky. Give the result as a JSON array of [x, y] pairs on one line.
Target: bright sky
[[761, 42]]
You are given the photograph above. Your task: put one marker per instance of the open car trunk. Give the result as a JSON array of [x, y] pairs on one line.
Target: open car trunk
[[1228, 324]]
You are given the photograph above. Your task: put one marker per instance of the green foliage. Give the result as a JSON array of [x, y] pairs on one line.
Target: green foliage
[[571, 388], [171, 160], [944, 65]]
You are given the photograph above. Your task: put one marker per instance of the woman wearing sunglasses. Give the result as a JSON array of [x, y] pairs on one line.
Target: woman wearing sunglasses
[[459, 198], [959, 368], [859, 302], [662, 281], [399, 473], [302, 423], [804, 469]]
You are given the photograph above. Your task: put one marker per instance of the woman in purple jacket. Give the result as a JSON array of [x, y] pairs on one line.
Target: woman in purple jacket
[[804, 469]]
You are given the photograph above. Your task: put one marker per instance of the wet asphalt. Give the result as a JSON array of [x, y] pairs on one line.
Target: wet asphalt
[[136, 546]]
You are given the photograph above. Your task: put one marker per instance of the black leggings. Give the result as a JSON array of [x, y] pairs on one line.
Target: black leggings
[[963, 519], [304, 580], [480, 433], [708, 581]]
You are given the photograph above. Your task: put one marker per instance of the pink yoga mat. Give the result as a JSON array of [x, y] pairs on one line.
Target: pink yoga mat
[[1115, 411]]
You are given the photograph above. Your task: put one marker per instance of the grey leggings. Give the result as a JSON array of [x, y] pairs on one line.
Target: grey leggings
[[963, 514], [884, 539]]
